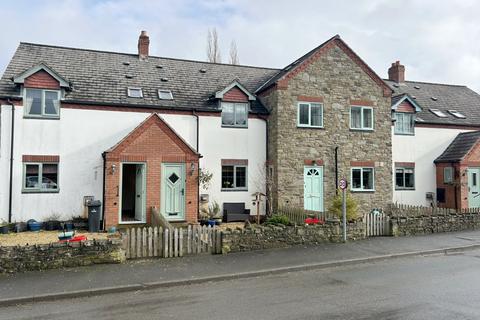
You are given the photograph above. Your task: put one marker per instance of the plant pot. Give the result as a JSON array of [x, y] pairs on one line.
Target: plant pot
[[4, 229], [211, 223], [68, 226], [51, 225], [34, 226], [20, 227]]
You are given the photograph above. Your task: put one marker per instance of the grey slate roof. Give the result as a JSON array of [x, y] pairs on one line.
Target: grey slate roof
[[459, 147], [100, 77], [449, 97]]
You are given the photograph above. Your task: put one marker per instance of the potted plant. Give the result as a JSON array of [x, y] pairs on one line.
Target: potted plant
[[20, 227], [4, 227], [214, 214], [52, 222]]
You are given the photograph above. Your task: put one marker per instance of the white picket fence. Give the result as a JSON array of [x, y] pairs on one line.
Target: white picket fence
[[148, 242], [377, 223]]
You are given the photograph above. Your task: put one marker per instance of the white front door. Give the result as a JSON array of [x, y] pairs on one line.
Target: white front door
[[173, 191], [313, 188]]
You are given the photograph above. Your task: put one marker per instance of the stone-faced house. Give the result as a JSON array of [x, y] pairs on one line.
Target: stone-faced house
[[329, 118]]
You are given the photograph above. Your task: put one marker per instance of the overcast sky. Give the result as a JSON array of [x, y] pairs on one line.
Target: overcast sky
[[437, 41]]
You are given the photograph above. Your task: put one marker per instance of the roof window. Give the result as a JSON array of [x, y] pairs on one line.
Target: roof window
[[438, 113], [457, 114], [165, 94], [418, 119], [135, 92]]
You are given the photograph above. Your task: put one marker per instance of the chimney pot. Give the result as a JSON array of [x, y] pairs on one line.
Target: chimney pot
[[143, 45], [396, 72]]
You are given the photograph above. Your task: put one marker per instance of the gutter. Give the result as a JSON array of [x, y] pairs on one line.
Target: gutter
[[10, 184]]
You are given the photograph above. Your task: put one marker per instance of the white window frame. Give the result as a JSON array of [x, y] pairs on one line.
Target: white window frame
[[362, 128], [448, 175], [309, 125], [457, 114], [439, 113], [395, 126], [40, 178], [235, 188], [160, 91], [361, 179], [403, 175], [236, 105], [43, 115], [129, 90]]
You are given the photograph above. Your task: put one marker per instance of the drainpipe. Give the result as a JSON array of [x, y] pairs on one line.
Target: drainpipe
[[197, 118], [103, 189], [336, 170], [10, 191], [455, 185]]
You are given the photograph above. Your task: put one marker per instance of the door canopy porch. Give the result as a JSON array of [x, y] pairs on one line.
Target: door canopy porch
[[136, 165]]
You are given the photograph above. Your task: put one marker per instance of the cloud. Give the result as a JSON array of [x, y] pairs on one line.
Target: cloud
[[437, 41]]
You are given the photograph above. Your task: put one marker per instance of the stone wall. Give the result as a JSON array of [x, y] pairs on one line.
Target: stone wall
[[409, 226], [268, 237], [59, 255], [337, 80]]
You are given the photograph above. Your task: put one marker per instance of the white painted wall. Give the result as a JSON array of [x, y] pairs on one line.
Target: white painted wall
[[422, 148], [80, 137]]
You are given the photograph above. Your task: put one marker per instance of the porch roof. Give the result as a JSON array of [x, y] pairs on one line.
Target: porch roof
[[459, 147]]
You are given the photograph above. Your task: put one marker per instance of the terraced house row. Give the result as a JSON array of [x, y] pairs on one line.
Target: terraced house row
[[135, 130]]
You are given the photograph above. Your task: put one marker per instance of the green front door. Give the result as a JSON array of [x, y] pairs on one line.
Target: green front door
[[313, 188], [474, 187], [173, 191]]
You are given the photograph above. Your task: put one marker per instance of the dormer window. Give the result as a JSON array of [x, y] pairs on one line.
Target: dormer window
[[165, 95], [234, 114], [404, 123], [457, 114], [40, 103], [438, 113], [135, 92]]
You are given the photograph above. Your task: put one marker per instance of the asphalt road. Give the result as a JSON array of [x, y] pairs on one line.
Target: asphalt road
[[432, 287]]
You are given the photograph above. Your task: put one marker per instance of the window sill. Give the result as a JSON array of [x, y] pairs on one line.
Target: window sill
[[234, 127], [403, 134], [362, 130], [233, 190], [42, 117], [310, 127], [362, 191], [40, 191], [404, 189]]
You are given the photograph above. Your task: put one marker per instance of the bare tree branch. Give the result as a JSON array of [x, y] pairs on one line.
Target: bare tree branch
[[234, 53], [213, 50]]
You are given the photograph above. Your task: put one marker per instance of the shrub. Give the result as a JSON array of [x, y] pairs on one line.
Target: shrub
[[278, 219], [336, 207]]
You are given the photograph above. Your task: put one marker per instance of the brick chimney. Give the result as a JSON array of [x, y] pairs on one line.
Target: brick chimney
[[143, 44], [396, 72]]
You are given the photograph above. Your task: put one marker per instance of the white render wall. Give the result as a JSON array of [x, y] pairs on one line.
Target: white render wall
[[81, 136], [422, 148]]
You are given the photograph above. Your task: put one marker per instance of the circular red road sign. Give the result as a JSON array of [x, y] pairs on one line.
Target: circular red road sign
[[343, 184]]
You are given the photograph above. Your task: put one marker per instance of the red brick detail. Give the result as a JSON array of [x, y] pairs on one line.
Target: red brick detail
[[335, 41], [367, 103], [153, 143], [309, 99], [235, 95], [362, 163], [41, 80], [396, 72], [234, 162], [40, 158], [405, 164], [456, 193], [405, 106], [143, 45], [472, 158], [312, 162]]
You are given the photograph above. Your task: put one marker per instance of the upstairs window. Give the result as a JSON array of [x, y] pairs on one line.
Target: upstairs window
[[438, 113], [310, 115], [40, 177], [362, 179], [457, 114], [234, 177], [135, 92], [41, 103], [361, 118], [404, 123], [234, 114]]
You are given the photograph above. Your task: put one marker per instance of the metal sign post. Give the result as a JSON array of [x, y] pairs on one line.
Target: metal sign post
[[343, 185]]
